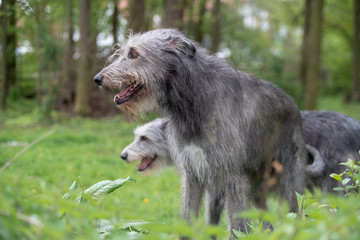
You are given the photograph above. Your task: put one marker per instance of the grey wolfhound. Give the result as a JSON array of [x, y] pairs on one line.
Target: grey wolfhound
[[224, 127]]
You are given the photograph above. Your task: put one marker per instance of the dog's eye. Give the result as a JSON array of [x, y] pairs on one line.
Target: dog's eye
[[143, 138], [132, 54]]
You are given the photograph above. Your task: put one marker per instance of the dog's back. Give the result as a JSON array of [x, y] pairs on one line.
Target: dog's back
[[337, 138]]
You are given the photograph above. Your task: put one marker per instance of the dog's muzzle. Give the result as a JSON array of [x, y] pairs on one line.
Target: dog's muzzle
[[98, 79]]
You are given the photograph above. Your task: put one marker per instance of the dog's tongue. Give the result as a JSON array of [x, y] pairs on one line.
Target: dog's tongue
[[118, 97], [145, 162]]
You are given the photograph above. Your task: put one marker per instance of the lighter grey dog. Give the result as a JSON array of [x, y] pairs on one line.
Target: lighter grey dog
[[150, 146], [224, 127]]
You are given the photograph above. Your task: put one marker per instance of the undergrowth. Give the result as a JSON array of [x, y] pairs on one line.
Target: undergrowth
[[33, 184]]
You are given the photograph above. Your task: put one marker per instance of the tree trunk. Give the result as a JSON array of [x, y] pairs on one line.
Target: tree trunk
[[84, 84], [215, 32], [305, 44], [8, 49], [312, 77], [39, 57], [199, 25], [137, 16], [4, 80], [115, 21], [67, 91], [356, 51], [174, 12]]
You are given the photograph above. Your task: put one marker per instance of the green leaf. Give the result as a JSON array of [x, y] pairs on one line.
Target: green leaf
[[349, 163], [238, 233], [345, 181], [104, 187], [336, 177], [338, 189], [348, 187], [300, 199], [73, 187]]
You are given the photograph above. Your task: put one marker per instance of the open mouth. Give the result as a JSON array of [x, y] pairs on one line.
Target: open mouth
[[126, 93], [145, 163]]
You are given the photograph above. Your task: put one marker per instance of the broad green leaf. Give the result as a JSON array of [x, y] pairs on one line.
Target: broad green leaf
[[336, 177], [338, 189], [349, 163], [103, 188], [345, 181]]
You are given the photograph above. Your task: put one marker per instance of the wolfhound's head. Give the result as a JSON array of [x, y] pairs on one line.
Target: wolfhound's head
[[142, 66], [150, 146]]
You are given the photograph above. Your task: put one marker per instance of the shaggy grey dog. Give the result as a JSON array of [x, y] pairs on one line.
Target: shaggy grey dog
[[225, 126], [336, 137]]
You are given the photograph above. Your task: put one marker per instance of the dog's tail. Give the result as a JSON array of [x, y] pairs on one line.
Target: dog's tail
[[316, 168]]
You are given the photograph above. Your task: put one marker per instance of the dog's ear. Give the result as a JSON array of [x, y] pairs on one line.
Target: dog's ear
[[180, 44], [163, 126]]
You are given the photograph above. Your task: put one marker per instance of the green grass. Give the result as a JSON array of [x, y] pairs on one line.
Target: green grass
[[89, 148], [336, 103], [32, 186]]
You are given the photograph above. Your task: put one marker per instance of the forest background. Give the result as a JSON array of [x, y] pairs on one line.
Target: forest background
[[51, 50]]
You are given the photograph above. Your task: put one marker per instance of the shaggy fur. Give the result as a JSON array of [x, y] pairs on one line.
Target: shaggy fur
[[149, 146], [336, 137], [224, 127]]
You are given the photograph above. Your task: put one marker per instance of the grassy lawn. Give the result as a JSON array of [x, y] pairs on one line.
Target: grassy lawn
[[90, 148], [31, 188]]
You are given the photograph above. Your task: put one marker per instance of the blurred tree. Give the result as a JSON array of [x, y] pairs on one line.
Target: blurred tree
[[8, 35], [137, 16], [40, 34], [215, 32], [305, 44], [312, 76], [46, 48], [83, 83], [115, 21], [199, 25], [67, 91], [356, 51], [174, 13]]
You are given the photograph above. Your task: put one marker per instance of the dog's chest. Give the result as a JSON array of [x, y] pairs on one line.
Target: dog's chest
[[193, 159]]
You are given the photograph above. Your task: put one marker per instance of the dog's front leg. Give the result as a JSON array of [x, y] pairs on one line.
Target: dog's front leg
[[192, 194], [215, 202], [237, 201]]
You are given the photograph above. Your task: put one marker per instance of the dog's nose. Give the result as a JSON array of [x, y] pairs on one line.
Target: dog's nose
[[98, 79], [124, 156]]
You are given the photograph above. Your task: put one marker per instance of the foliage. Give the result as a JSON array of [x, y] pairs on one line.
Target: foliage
[[349, 179], [320, 216], [31, 188], [272, 52]]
